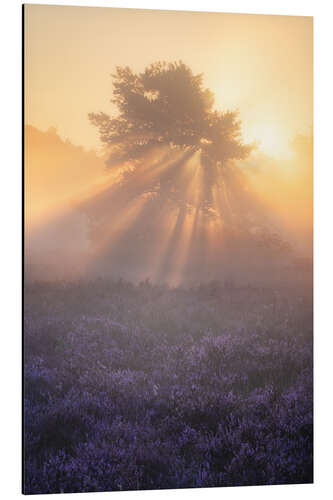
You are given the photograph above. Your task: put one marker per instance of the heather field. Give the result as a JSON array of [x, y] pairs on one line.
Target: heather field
[[143, 387]]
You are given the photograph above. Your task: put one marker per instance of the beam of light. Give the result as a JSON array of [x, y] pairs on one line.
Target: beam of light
[[150, 169], [183, 251], [210, 246], [114, 232], [150, 213], [116, 208], [221, 202], [190, 261], [167, 261], [142, 179], [169, 217], [38, 215], [148, 173], [115, 191], [168, 226], [133, 213], [204, 239], [176, 249], [172, 247], [191, 195]]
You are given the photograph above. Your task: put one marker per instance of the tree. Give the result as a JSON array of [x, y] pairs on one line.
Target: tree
[[180, 182], [167, 107]]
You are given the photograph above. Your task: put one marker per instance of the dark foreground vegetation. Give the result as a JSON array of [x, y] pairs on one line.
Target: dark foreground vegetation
[[143, 387]]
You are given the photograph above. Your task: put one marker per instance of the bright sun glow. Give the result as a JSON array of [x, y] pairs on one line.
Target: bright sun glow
[[272, 140]]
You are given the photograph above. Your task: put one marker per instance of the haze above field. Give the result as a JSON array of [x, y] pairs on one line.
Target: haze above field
[[258, 65]]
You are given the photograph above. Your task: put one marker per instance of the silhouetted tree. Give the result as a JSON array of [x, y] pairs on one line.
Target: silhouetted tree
[[167, 106], [165, 134]]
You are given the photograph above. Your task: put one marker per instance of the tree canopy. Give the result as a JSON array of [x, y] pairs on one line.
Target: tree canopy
[[168, 105]]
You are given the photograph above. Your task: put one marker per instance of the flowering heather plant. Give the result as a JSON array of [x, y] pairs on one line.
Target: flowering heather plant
[[144, 387]]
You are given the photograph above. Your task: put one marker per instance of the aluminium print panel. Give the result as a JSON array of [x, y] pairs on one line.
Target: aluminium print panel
[[167, 250]]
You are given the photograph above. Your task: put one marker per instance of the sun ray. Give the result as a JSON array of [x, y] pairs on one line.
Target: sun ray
[[175, 250], [112, 234]]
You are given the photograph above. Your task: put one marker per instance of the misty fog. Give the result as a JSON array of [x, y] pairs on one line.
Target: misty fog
[[84, 220]]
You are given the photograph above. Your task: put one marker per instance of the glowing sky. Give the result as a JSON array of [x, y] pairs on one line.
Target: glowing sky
[[260, 65]]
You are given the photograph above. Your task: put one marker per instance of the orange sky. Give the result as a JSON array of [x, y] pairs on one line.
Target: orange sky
[[261, 65]]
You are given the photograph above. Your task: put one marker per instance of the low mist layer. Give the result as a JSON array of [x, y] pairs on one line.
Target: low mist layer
[[84, 221]]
